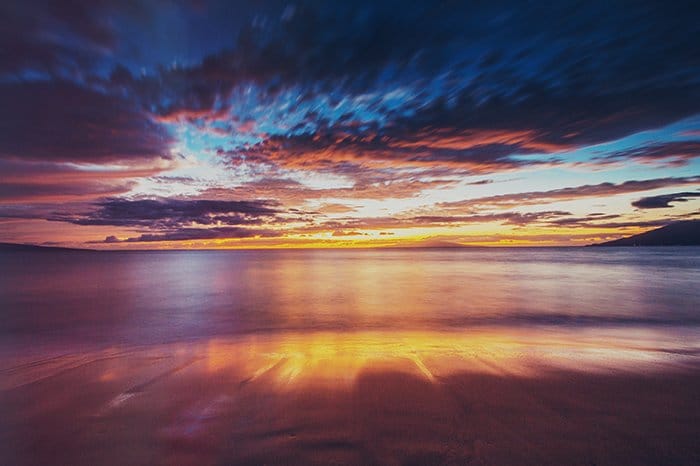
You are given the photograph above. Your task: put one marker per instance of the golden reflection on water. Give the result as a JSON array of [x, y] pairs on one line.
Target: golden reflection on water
[[332, 358], [336, 397], [299, 359]]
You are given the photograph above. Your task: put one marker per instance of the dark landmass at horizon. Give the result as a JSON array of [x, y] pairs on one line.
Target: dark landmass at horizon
[[17, 247], [685, 233]]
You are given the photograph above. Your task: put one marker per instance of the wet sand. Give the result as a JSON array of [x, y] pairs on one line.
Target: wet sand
[[491, 397]]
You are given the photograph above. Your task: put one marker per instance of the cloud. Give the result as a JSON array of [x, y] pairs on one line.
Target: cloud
[[664, 200], [583, 221], [347, 233], [325, 149], [567, 194], [180, 220], [189, 234], [542, 219], [633, 224], [61, 122], [480, 182], [432, 84], [598, 222], [377, 100], [509, 218], [57, 192], [48, 38], [333, 208], [555, 73], [173, 213], [40, 181], [351, 225], [365, 184], [672, 153]]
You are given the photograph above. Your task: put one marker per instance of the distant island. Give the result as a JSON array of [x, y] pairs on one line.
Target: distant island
[[15, 247], [684, 233]]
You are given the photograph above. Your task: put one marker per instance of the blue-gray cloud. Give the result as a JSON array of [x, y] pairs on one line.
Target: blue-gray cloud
[[664, 201]]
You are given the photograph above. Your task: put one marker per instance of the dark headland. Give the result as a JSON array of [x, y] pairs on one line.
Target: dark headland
[[16, 247], [684, 233]]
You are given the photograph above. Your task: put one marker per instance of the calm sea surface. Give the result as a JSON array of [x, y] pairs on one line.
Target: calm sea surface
[[154, 297]]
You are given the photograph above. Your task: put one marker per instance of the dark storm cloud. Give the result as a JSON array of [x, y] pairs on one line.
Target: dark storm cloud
[[318, 46], [81, 39], [357, 45], [173, 213], [58, 121], [54, 38], [480, 83], [664, 201], [552, 77], [553, 119], [556, 76]]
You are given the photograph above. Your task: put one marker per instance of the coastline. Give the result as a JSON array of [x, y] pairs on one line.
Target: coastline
[[362, 398]]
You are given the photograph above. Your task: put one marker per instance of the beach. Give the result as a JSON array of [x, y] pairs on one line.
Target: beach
[[480, 398]]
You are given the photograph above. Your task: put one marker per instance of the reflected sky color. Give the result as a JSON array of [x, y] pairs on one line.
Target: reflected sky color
[[154, 297], [503, 356]]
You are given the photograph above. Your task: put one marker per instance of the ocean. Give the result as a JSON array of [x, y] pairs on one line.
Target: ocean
[[143, 297]]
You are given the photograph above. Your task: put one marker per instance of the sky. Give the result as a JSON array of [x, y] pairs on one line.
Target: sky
[[221, 124]]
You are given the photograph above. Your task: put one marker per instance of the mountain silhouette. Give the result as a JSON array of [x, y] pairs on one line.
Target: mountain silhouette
[[684, 233]]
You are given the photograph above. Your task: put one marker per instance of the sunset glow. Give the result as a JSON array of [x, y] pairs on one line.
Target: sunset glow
[[316, 125], [313, 232]]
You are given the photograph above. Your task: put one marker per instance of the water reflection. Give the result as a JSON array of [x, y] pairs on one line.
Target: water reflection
[[336, 358], [354, 357], [166, 296], [488, 396]]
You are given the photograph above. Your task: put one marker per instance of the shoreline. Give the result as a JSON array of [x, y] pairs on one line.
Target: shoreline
[[322, 398]]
